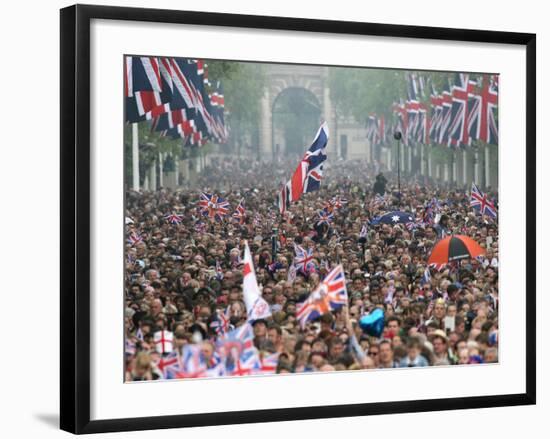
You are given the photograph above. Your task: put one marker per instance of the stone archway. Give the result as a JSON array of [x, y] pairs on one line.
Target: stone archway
[[295, 116], [281, 77]]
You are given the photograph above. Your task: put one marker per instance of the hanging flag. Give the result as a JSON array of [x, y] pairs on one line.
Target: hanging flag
[[489, 103], [435, 122], [330, 295], [213, 206], [458, 126], [446, 105], [480, 202], [256, 306], [307, 176]]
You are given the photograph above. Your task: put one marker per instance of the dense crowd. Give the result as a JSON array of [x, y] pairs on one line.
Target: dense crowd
[[180, 277]]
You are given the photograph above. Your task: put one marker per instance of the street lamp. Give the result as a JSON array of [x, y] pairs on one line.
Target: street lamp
[[397, 136]]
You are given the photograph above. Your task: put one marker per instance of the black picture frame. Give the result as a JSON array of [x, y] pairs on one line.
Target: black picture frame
[[75, 216]]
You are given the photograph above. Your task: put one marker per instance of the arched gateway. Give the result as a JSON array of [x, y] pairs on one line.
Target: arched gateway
[[304, 91]]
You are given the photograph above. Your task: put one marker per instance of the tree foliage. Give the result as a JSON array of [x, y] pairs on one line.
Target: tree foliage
[[243, 85]]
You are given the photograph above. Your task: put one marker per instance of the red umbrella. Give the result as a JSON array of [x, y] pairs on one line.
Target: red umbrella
[[453, 248]]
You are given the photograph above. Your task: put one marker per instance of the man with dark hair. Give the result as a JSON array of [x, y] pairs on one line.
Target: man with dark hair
[[385, 355]]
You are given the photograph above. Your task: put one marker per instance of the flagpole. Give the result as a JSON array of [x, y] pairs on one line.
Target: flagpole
[[135, 157], [397, 136]]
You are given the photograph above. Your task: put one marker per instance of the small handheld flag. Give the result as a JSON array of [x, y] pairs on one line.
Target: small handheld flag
[[331, 294]]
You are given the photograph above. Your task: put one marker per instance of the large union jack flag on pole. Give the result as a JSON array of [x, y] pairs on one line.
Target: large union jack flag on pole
[[307, 176], [331, 294], [480, 202], [213, 206]]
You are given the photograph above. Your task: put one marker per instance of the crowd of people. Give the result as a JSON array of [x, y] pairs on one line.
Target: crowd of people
[[182, 276]]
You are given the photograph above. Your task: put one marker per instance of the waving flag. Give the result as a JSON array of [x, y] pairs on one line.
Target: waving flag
[[307, 176], [213, 206], [269, 363], [221, 324], [236, 343], [164, 341], [256, 306], [331, 294], [174, 218], [239, 215], [134, 238], [325, 217], [243, 365], [480, 202], [303, 260], [170, 365], [335, 203], [193, 363]]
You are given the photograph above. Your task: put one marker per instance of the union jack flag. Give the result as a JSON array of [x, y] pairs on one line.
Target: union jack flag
[[130, 346], [238, 342], [213, 206], [335, 203], [331, 294], [412, 107], [257, 220], [458, 128], [402, 120], [489, 102], [134, 238], [269, 363], [307, 176], [193, 363], [446, 105], [239, 215], [480, 202], [245, 364], [325, 217], [200, 227], [221, 324], [303, 260], [435, 123], [170, 365], [173, 218]]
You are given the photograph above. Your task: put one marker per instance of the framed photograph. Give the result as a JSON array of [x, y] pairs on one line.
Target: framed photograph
[[274, 218]]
